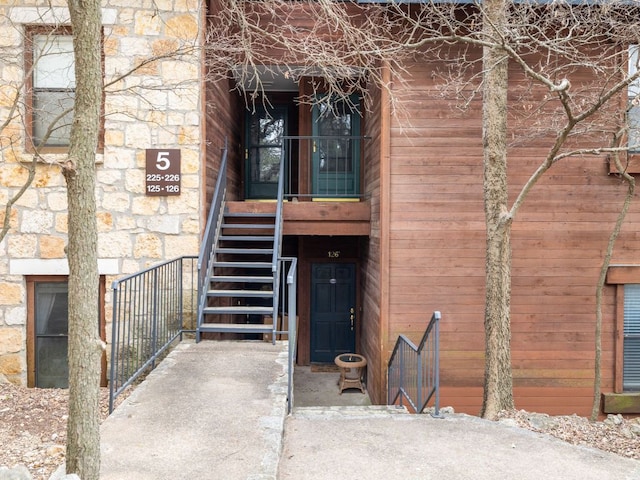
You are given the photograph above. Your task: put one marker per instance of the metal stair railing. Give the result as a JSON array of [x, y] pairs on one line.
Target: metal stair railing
[[277, 244], [413, 374], [205, 258], [290, 279], [151, 310]]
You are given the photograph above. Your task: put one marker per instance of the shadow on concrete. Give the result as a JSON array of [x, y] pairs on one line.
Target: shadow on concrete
[[320, 389]]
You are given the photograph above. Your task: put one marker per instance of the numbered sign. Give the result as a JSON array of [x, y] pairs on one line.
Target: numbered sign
[[163, 172]]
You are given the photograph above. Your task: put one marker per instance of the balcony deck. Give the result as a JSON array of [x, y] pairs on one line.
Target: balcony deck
[[325, 217]]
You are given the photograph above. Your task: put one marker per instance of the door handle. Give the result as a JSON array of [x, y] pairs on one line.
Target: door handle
[[352, 317]]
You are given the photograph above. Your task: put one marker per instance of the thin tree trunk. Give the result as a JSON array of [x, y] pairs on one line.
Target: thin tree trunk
[[498, 385], [83, 433]]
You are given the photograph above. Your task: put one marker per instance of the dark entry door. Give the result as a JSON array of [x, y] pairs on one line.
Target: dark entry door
[[265, 129], [336, 149], [333, 297]]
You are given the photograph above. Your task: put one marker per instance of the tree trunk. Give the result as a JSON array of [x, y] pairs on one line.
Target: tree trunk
[[83, 427], [498, 385]]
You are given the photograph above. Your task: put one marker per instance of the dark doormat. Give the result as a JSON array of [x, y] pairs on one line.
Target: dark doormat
[[324, 368]]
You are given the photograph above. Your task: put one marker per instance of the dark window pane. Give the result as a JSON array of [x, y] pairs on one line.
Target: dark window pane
[[51, 326], [52, 367], [51, 308], [265, 164]]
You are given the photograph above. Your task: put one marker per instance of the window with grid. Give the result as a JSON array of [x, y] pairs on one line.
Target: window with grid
[[52, 86], [631, 342]]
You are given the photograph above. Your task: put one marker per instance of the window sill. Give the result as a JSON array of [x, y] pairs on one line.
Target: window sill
[[621, 402], [55, 158]]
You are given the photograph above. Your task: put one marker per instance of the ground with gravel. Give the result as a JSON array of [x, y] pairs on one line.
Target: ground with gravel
[[33, 429]]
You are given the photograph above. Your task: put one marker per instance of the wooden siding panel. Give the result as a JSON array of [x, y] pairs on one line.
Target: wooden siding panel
[[371, 285], [437, 235]]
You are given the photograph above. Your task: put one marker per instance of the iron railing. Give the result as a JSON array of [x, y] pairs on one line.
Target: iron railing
[[151, 309], [290, 279], [214, 220], [277, 245], [413, 374], [334, 166]]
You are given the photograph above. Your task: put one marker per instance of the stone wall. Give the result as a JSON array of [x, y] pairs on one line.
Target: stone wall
[[155, 106]]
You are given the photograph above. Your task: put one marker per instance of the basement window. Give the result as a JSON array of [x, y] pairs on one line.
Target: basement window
[[631, 338], [47, 331]]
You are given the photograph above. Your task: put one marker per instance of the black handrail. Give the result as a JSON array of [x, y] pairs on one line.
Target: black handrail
[[149, 313], [277, 243], [205, 259], [413, 374]]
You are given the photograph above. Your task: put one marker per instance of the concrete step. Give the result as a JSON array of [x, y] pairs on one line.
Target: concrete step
[[242, 264], [363, 411], [245, 251], [235, 328], [240, 278], [238, 310], [241, 293]]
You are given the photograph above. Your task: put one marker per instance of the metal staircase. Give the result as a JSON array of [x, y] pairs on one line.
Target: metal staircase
[[240, 290], [239, 266]]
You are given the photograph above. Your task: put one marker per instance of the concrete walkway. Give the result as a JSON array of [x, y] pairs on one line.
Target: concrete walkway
[[217, 410], [212, 410]]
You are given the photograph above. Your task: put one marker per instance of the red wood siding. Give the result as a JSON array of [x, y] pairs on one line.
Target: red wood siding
[[372, 279], [437, 238]]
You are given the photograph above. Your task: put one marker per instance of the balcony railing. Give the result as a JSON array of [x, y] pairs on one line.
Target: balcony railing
[[322, 167]]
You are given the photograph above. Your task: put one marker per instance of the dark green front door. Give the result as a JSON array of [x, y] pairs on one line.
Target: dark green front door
[[333, 297], [265, 129], [336, 149]]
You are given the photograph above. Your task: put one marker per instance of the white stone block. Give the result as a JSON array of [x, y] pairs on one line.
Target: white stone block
[[36, 221], [135, 181], [15, 316], [169, 224], [116, 202], [187, 202], [109, 177], [115, 245], [138, 135], [57, 201], [120, 158]]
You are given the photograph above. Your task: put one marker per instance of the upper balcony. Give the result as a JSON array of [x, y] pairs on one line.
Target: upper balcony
[[323, 179]]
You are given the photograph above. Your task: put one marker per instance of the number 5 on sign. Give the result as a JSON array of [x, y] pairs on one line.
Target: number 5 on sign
[[163, 161]]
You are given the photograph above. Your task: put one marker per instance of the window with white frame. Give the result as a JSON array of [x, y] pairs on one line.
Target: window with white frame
[[52, 90], [633, 110], [631, 342]]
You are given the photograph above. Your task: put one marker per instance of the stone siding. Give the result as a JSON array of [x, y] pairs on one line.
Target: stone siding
[[156, 106]]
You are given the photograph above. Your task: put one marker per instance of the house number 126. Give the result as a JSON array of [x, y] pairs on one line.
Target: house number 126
[[333, 253]]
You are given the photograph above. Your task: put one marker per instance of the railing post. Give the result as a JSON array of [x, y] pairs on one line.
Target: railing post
[[154, 317], [114, 333], [419, 371], [436, 412], [401, 376], [291, 280]]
